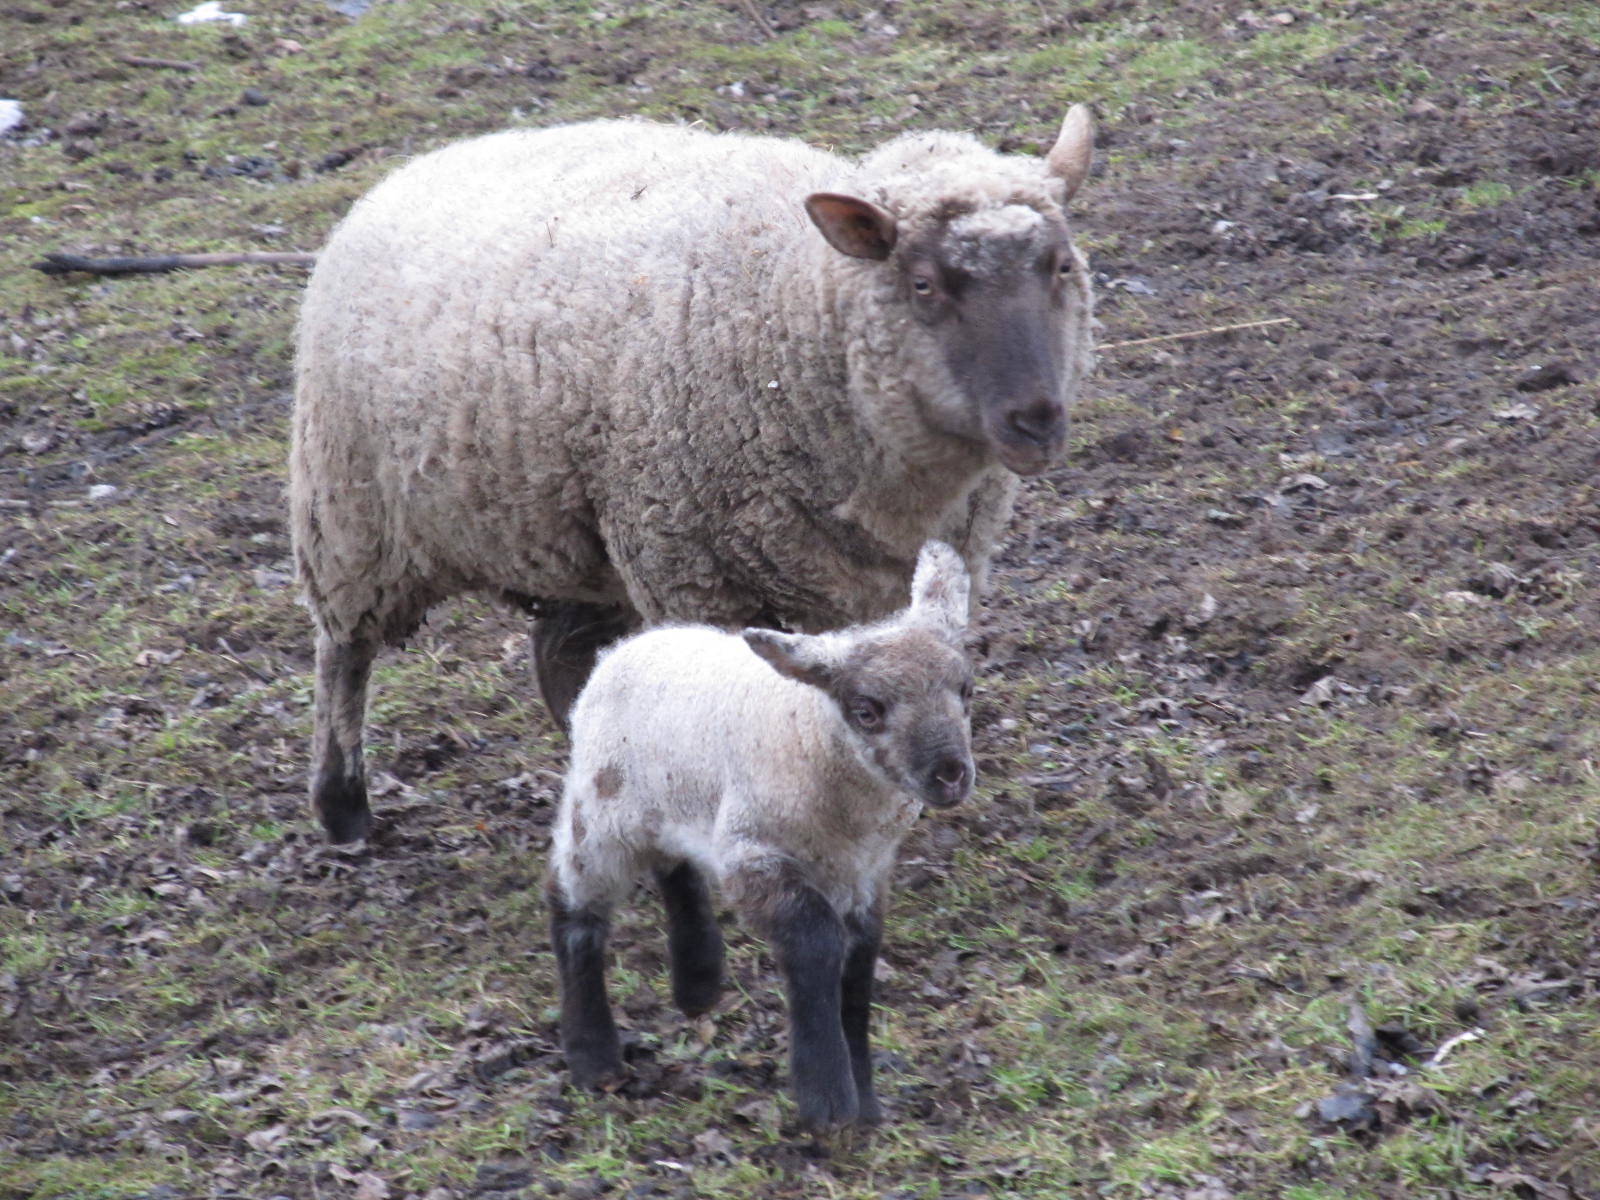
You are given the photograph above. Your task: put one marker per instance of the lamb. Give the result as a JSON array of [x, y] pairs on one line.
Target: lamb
[[622, 374], [788, 777]]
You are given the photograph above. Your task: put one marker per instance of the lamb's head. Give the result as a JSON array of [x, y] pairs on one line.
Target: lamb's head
[[979, 262], [903, 686]]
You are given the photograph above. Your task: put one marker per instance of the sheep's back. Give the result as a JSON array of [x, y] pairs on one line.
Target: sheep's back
[[517, 349]]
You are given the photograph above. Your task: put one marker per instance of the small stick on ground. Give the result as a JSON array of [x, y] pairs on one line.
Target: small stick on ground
[[63, 264], [166, 64], [1194, 333], [754, 14]]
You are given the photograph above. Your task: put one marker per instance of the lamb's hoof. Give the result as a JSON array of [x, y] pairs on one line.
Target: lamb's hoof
[[697, 996], [824, 1110], [341, 804], [597, 1074], [594, 1061], [871, 1112]]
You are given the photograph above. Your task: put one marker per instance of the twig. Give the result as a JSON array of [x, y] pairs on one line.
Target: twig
[[754, 14], [62, 264], [169, 64], [1194, 333], [1449, 1044]]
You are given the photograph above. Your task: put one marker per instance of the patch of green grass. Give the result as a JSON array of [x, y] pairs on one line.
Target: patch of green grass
[[1487, 193]]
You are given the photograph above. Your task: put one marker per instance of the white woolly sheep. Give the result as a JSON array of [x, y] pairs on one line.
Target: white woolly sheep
[[610, 373], [789, 783]]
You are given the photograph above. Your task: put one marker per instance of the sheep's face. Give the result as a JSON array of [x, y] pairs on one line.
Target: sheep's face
[[999, 308], [998, 297]]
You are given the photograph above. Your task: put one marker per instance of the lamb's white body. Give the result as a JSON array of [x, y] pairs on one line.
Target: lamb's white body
[[785, 768], [686, 746]]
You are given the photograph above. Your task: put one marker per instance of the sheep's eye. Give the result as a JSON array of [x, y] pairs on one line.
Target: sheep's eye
[[1065, 268], [922, 285], [966, 692], [866, 712]]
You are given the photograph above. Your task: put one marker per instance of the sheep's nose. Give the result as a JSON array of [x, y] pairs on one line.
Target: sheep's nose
[[951, 778], [1036, 423]]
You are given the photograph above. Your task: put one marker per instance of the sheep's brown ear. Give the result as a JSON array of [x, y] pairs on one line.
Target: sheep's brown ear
[[941, 589], [787, 654], [1072, 155], [855, 227]]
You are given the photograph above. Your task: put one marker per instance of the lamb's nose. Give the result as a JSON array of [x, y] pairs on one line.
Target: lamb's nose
[[952, 779], [1036, 423]]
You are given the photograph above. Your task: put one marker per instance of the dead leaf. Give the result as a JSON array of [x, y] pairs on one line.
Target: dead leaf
[[267, 1140]]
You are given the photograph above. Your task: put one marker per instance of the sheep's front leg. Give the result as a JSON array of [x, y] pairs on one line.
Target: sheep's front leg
[[588, 1033], [338, 775], [809, 941], [694, 942], [566, 638], [866, 935]]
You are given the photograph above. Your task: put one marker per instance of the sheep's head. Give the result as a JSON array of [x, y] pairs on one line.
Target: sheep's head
[[904, 686], [997, 294]]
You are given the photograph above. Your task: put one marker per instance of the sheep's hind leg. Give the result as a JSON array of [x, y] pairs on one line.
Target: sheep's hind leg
[[866, 934], [694, 942], [809, 942], [588, 1032], [338, 774], [566, 638]]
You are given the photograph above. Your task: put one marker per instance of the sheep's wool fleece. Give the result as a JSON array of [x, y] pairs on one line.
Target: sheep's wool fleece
[[686, 746], [615, 363]]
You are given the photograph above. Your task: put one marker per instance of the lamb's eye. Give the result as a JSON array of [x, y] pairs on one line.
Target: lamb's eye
[[922, 285], [1066, 266], [966, 692], [866, 712]]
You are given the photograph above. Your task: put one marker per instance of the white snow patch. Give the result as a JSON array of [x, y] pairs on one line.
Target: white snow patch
[[10, 115]]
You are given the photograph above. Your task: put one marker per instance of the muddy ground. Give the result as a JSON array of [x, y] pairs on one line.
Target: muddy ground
[[1281, 879]]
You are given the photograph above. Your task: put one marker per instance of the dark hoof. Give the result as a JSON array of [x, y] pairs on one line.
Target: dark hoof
[[698, 995], [871, 1112], [596, 1072], [342, 806], [826, 1110]]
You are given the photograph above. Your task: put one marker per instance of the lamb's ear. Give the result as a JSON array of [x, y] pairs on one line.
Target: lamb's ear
[[791, 655], [852, 226], [1070, 158], [941, 589]]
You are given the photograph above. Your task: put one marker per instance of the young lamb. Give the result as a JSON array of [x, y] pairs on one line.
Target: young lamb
[[621, 373], [786, 768]]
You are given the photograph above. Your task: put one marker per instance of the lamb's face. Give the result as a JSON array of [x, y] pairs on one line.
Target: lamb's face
[[908, 699], [904, 692], [999, 296]]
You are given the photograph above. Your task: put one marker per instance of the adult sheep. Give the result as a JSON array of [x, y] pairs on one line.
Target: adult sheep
[[612, 374]]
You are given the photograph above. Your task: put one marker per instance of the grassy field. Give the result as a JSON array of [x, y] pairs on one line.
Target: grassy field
[[1281, 879]]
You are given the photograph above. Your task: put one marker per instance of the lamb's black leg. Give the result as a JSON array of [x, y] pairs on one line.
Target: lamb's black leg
[[566, 638], [866, 934], [808, 939], [338, 774], [694, 942], [588, 1034]]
